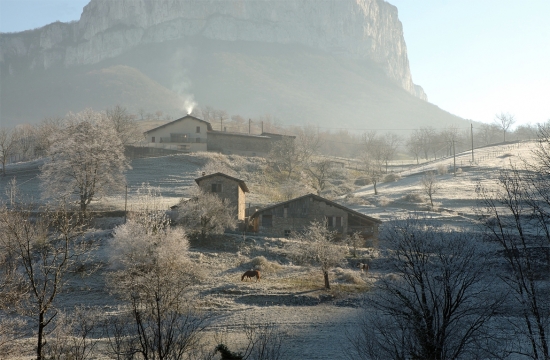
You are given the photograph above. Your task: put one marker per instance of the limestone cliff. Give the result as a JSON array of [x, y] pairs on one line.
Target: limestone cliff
[[359, 29]]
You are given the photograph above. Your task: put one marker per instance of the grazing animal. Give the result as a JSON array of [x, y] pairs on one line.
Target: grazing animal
[[250, 274], [363, 267]]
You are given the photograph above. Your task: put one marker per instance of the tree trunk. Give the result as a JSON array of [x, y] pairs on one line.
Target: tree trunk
[[327, 285], [40, 336]]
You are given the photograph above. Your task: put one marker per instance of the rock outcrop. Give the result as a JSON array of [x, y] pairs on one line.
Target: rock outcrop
[[360, 29]]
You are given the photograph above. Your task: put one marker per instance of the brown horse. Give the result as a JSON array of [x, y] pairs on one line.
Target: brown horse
[[250, 274]]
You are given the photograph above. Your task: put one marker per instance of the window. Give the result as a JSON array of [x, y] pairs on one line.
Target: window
[[216, 188], [287, 233], [198, 140], [267, 221], [330, 221], [153, 139], [198, 130], [338, 221]]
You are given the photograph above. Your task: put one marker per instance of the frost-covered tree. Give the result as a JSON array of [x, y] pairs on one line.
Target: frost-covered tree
[[8, 146], [85, 159], [206, 214], [317, 246], [152, 274], [430, 185], [124, 124], [437, 301], [372, 158]]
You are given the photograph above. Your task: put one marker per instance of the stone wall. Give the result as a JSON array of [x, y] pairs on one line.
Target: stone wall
[[231, 191]]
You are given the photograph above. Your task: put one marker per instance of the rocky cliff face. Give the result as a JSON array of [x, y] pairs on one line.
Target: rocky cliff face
[[361, 29]]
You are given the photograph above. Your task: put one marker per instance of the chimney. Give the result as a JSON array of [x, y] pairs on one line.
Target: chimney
[[203, 173]]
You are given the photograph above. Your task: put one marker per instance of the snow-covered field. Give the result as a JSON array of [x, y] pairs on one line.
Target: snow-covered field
[[289, 295]]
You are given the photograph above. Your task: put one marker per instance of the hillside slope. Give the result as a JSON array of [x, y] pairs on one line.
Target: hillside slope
[[292, 82]]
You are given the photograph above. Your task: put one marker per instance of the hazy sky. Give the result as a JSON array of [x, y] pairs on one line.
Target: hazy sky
[[474, 58]]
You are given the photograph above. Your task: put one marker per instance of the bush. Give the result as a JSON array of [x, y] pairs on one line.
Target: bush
[[414, 198], [262, 264], [442, 169], [459, 171], [392, 177], [349, 276], [384, 201]]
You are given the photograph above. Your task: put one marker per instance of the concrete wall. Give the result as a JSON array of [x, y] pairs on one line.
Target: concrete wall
[[231, 191], [186, 126], [239, 144]]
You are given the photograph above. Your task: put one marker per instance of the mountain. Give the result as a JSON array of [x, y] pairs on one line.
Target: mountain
[[329, 62]]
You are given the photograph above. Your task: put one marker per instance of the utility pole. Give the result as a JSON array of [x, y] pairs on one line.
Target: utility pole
[[221, 123], [472, 136], [262, 127], [125, 203], [249, 121]]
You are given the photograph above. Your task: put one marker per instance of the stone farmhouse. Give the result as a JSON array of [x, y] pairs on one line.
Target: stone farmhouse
[[297, 214], [191, 134], [227, 188]]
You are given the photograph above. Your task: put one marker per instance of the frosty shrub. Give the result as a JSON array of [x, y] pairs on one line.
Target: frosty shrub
[[73, 335], [384, 201], [392, 177], [152, 272], [442, 169], [414, 198], [349, 276], [459, 171], [262, 264], [206, 214]]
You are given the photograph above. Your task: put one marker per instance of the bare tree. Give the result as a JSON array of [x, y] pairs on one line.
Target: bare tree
[[206, 214], [86, 160], [436, 302], [390, 143], [47, 248], [320, 173], [317, 245], [124, 124], [518, 214], [414, 144], [8, 146], [372, 158], [284, 156], [153, 272], [488, 133], [430, 185], [504, 121], [427, 140]]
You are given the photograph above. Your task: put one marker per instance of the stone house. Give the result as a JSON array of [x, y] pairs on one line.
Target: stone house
[[228, 188], [185, 134], [297, 214]]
